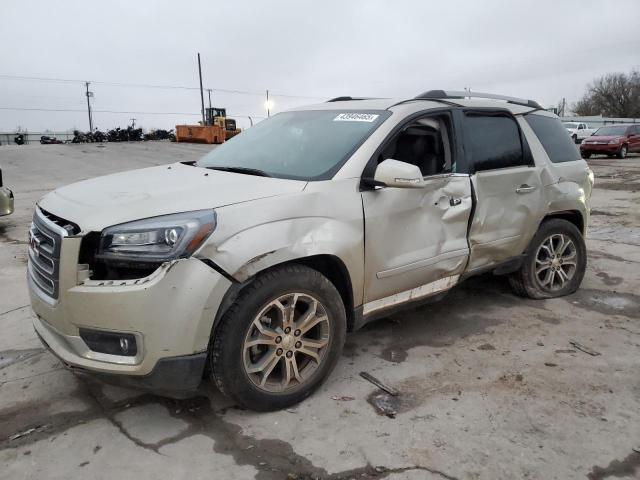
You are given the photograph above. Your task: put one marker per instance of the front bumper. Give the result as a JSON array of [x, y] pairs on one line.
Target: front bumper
[[596, 148], [170, 313], [6, 201], [176, 377]]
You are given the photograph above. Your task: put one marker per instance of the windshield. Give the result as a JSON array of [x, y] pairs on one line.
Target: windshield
[[304, 145], [611, 131], [571, 125]]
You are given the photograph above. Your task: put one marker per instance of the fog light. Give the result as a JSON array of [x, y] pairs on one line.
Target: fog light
[[111, 343]]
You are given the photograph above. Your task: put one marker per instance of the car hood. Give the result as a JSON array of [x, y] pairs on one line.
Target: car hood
[[122, 197], [603, 138]]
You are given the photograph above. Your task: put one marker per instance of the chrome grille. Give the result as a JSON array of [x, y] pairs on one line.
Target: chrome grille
[[45, 241]]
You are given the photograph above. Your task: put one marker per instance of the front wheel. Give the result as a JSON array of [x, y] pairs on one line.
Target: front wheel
[[280, 339], [586, 155], [554, 264], [575, 138], [622, 153]]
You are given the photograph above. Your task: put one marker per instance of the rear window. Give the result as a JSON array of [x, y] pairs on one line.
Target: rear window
[[554, 138]]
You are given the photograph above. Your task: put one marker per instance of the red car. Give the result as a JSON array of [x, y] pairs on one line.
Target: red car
[[612, 140]]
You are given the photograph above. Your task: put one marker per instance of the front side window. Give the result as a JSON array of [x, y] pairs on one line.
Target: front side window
[[559, 146], [493, 141], [303, 145], [425, 142]]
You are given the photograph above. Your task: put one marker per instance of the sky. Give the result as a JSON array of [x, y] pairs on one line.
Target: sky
[[302, 51]]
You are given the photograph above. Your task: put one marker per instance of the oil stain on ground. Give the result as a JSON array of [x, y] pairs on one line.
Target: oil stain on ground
[[608, 279], [626, 468]]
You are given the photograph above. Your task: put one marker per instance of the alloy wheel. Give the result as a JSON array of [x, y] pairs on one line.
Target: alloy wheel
[[286, 342], [556, 262]]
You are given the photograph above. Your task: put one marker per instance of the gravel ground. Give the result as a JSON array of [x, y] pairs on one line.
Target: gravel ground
[[490, 385]]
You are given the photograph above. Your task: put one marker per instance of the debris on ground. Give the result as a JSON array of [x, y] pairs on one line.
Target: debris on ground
[[378, 383], [385, 404], [486, 346], [584, 349], [550, 364], [27, 432], [342, 398]]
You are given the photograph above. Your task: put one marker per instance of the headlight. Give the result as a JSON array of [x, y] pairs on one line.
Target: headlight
[[614, 141], [157, 239]]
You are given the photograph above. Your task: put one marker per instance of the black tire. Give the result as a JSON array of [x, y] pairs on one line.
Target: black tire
[[575, 138], [586, 155], [526, 283], [622, 153], [227, 362]]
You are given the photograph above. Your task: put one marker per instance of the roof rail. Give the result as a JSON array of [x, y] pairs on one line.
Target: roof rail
[[346, 99], [449, 94]]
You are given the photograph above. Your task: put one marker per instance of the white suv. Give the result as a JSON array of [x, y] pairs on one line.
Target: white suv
[[250, 265]]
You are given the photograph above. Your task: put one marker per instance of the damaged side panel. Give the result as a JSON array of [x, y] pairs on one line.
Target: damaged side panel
[[415, 237], [509, 207], [248, 242]]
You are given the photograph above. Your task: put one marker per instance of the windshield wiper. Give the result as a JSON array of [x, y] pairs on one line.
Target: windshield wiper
[[245, 170]]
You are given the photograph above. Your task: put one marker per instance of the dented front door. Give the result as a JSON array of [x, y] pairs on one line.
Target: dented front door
[[415, 239]]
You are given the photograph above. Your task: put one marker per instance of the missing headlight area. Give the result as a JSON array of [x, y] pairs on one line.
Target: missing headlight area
[[111, 269]]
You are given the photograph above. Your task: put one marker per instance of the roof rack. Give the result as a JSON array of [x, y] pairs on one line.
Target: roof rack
[[346, 99], [449, 94]]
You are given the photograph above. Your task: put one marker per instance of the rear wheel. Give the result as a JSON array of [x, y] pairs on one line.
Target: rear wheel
[[586, 155], [575, 138], [280, 339], [622, 153], [555, 262]]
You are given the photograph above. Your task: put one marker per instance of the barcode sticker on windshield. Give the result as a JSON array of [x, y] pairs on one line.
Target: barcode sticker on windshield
[[356, 117]]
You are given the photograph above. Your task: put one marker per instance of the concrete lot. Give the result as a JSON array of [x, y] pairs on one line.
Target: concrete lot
[[491, 387]]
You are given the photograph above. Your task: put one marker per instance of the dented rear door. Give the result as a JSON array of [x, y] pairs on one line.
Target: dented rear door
[[507, 186]]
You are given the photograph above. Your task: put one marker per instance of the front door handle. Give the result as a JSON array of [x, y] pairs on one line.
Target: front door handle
[[454, 201], [524, 188]]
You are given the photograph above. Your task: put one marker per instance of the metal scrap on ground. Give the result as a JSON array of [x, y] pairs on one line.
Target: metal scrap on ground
[[379, 384], [581, 347]]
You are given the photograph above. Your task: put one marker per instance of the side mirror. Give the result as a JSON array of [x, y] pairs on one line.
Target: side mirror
[[394, 173]]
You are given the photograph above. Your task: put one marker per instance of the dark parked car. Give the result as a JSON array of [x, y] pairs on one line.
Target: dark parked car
[[612, 140]]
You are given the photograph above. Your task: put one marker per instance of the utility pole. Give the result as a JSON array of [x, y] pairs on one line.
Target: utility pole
[[268, 105], [89, 95], [201, 91], [209, 90], [564, 102]]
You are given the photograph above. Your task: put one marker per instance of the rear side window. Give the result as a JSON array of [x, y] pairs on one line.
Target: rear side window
[[554, 138], [493, 141]]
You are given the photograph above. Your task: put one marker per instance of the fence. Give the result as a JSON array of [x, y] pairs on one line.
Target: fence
[[599, 121], [8, 138]]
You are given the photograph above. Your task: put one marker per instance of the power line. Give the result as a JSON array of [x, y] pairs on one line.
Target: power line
[[148, 85], [37, 109]]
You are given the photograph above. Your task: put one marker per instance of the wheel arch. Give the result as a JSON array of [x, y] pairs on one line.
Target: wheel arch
[[572, 216], [328, 265]]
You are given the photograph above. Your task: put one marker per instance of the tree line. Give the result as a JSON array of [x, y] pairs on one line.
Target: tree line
[[612, 95]]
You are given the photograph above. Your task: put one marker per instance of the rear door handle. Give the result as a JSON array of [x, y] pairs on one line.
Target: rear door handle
[[524, 188]]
